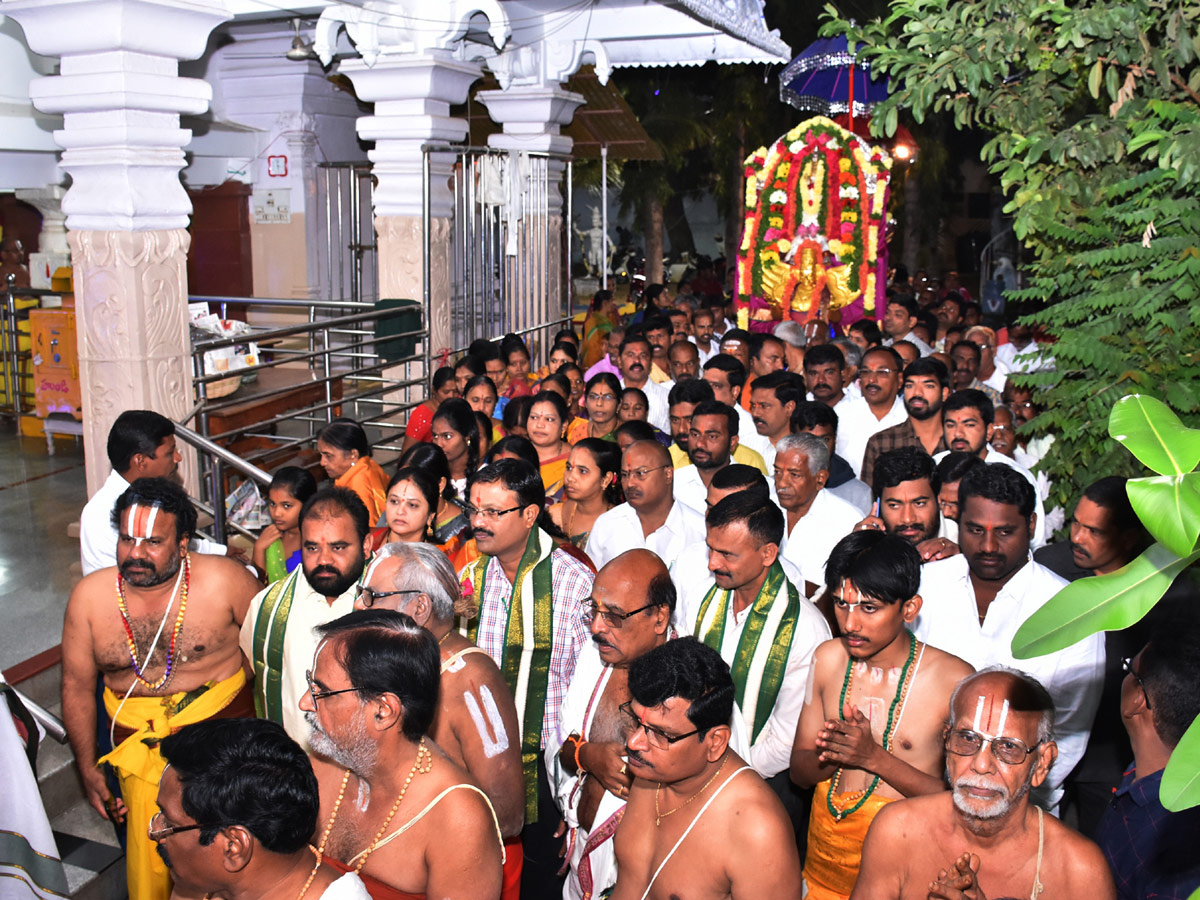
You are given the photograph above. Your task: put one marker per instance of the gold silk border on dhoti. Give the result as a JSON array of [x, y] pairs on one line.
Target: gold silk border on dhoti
[[835, 848], [139, 765]]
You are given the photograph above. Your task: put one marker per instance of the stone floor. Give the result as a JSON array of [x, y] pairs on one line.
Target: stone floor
[[40, 496]]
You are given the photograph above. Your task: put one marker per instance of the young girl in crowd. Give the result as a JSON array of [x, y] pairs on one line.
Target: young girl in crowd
[[600, 400], [592, 486], [457, 434], [420, 420], [346, 458], [277, 550], [412, 505], [547, 428]]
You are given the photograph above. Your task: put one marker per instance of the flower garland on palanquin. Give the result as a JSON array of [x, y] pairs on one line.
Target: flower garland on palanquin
[[816, 215]]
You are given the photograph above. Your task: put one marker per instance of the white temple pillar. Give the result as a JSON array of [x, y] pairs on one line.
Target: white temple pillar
[[412, 97], [120, 96], [53, 250]]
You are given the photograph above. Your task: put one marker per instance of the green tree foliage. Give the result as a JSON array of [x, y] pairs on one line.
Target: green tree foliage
[[1093, 112]]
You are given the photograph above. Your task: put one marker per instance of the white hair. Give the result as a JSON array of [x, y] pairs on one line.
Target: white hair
[[815, 449], [424, 568]]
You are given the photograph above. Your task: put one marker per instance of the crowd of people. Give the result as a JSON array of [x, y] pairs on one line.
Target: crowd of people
[[689, 611]]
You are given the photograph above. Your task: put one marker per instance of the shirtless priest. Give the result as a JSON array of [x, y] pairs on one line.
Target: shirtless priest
[[166, 662], [871, 730], [984, 837], [699, 821]]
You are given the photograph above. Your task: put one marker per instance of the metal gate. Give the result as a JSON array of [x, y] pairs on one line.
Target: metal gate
[[509, 269], [349, 267]]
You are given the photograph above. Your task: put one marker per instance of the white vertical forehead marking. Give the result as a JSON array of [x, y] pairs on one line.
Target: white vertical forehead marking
[[131, 520], [979, 714], [1003, 716]]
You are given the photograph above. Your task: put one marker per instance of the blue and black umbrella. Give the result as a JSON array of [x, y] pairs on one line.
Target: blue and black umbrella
[[826, 79]]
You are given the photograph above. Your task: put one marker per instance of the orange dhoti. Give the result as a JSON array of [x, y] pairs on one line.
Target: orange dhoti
[[835, 847]]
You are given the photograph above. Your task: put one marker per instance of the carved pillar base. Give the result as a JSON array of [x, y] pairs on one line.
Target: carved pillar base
[[132, 327]]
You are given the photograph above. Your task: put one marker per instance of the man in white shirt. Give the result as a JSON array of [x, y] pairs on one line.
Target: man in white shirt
[[967, 424], [880, 406], [825, 374], [636, 353], [141, 444], [702, 334], [727, 377], [816, 519], [992, 372], [975, 602], [745, 607], [907, 484], [1022, 353], [650, 518], [773, 399], [901, 315], [711, 439]]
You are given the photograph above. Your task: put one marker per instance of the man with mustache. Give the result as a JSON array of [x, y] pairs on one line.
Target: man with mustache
[[699, 822], [727, 378], [975, 602], [985, 837], [635, 363], [907, 484], [880, 407], [530, 598], [926, 387], [630, 612], [773, 399], [967, 425], [712, 441], [165, 664], [476, 720], [825, 376], [871, 731], [685, 396], [658, 332], [277, 635], [650, 518], [394, 808]]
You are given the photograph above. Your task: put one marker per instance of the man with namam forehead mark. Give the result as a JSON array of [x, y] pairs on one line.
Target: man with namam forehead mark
[[984, 837]]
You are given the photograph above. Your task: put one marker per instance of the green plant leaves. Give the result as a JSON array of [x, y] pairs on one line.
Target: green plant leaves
[[1169, 507], [1180, 788], [1154, 434], [1103, 603]]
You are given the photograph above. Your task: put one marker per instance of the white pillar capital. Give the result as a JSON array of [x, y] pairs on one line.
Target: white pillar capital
[[532, 117]]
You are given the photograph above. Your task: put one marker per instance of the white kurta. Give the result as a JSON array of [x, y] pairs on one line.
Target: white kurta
[[620, 530], [691, 492], [812, 539], [857, 424], [1039, 525], [949, 620], [309, 609]]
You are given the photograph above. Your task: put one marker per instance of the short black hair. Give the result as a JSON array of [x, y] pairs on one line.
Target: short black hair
[[734, 371], [882, 566], [759, 339], [245, 772], [717, 408], [927, 366], [657, 323], [904, 464], [163, 493], [691, 390], [517, 476], [971, 348], [332, 501], [689, 670], [823, 355], [1168, 670], [764, 521], [970, 398], [907, 303], [813, 414], [957, 299], [386, 652], [1109, 492], [346, 435], [136, 431], [739, 477], [635, 337], [999, 483], [954, 465], [896, 359], [870, 332], [782, 384]]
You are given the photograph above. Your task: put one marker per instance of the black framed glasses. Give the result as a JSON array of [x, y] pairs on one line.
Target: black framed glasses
[[1010, 751], [614, 617], [321, 695], [640, 474], [161, 832], [488, 515], [655, 736], [368, 596], [1127, 667]]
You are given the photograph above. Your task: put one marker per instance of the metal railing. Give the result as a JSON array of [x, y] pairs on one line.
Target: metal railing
[[17, 363]]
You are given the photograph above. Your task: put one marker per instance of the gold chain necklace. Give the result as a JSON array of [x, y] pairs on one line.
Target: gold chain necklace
[[659, 816], [423, 764]]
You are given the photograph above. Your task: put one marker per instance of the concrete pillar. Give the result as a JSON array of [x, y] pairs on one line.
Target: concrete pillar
[[121, 96]]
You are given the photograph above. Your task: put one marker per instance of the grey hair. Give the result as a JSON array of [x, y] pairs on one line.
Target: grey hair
[[424, 568], [1036, 694], [850, 350], [791, 333], [811, 446]]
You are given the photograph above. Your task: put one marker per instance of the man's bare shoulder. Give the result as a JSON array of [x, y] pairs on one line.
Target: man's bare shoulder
[[751, 811], [227, 570], [915, 818], [1082, 863], [830, 656], [945, 667]]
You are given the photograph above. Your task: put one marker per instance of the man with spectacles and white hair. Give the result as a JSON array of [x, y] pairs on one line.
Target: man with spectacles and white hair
[[530, 599], [630, 612], [476, 720], [985, 837]]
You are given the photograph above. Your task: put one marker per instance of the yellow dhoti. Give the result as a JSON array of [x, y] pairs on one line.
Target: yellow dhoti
[[139, 765], [835, 848]]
